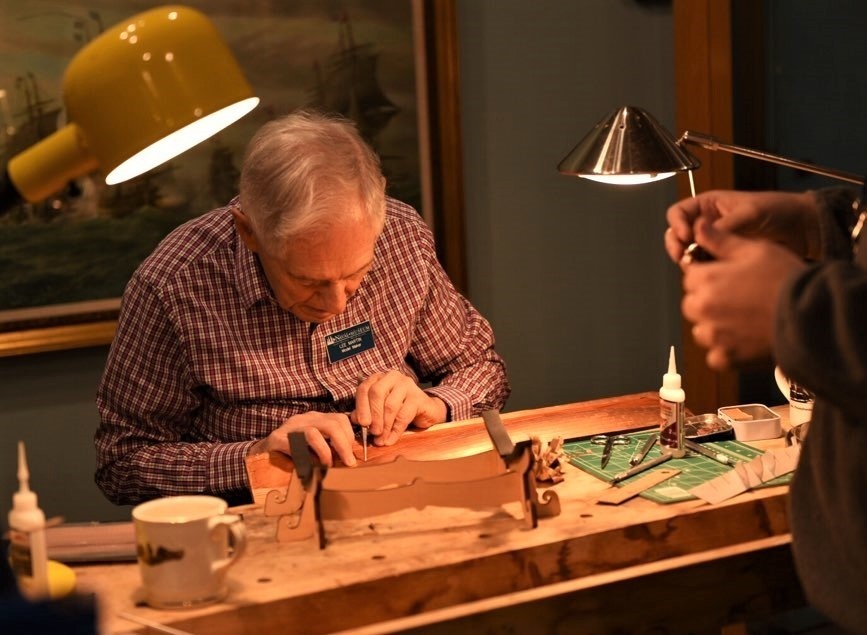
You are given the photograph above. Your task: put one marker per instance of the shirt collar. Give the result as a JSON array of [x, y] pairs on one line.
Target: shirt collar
[[250, 277]]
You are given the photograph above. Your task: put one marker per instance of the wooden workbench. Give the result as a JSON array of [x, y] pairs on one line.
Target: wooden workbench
[[639, 567]]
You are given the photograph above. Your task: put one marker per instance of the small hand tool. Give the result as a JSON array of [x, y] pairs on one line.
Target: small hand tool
[[719, 457], [609, 441], [638, 469], [499, 435], [641, 452], [364, 441]]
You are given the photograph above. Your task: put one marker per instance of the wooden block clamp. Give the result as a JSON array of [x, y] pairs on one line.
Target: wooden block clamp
[[316, 493]]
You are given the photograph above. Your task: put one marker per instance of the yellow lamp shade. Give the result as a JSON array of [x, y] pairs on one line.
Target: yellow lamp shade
[[141, 93]]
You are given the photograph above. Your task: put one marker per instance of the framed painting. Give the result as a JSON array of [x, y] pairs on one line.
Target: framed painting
[[67, 260]]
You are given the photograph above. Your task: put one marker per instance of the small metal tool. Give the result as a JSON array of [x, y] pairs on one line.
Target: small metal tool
[[609, 441], [641, 452], [364, 441], [497, 432], [719, 457], [695, 253], [638, 469]]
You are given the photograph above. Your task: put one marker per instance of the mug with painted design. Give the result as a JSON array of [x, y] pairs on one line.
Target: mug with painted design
[[185, 545]]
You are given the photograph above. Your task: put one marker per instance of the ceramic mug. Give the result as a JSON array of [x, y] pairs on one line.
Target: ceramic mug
[[185, 544], [800, 399]]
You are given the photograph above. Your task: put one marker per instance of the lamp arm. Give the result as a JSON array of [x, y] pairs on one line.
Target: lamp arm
[[711, 143], [46, 167]]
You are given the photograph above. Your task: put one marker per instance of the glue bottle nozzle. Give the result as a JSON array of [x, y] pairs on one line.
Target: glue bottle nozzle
[[671, 379], [23, 472]]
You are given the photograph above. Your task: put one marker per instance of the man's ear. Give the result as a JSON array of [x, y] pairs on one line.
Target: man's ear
[[245, 229]]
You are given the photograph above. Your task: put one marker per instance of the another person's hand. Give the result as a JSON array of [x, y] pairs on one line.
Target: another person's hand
[[322, 431], [787, 218], [388, 402], [732, 301]]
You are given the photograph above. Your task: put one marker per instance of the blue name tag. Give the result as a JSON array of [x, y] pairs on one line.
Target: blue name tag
[[348, 342]]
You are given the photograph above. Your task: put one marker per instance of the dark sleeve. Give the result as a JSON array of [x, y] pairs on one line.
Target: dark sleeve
[[821, 335], [836, 219]]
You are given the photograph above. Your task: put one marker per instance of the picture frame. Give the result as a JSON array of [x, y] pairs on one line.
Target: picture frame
[[72, 325]]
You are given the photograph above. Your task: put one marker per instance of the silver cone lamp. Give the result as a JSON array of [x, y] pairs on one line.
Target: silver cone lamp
[[627, 147]]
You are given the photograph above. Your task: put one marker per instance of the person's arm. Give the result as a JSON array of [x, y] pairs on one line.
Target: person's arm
[[148, 406], [453, 347], [836, 218], [820, 339]]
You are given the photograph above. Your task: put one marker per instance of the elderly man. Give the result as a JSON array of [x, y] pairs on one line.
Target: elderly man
[[311, 302]]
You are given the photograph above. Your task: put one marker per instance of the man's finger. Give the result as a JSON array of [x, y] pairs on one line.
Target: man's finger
[[318, 444], [720, 244]]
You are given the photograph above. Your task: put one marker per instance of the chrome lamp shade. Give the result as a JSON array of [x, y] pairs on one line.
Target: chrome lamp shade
[[629, 146]]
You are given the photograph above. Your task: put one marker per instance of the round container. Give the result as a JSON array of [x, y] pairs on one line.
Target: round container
[[707, 427]]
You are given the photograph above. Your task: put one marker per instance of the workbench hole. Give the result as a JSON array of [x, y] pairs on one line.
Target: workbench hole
[[378, 557], [586, 515], [263, 580], [483, 536]]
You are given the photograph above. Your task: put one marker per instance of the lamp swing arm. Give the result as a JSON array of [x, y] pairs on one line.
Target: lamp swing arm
[[711, 143]]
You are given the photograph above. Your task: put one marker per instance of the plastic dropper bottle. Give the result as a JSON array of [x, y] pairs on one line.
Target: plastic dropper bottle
[[28, 555], [671, 409]]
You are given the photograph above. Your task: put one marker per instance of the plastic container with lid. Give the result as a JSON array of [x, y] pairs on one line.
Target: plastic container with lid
[[752, 422]]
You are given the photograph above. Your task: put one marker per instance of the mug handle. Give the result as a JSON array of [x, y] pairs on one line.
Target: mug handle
[[782, 383], [234, 524]]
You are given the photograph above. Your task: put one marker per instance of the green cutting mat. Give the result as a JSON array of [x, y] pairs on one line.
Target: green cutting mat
[[695, 469]]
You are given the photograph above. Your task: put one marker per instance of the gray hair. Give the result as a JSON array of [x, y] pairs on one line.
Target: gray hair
[[298, 166]]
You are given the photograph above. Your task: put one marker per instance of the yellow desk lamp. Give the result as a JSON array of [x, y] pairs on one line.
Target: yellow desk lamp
[[143, 92]]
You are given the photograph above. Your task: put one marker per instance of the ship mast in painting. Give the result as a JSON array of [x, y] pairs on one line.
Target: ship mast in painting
[[348, 84]]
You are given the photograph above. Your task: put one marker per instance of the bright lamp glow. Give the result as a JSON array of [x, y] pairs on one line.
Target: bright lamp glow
[[626, 179], [177, 142], [148, 88]]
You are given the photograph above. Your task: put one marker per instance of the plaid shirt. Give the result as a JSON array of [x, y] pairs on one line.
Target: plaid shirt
[[204, 361]]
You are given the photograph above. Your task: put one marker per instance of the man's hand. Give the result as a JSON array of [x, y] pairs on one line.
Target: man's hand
[[319, 428], [787, 218], [732, 302], [387, 403]]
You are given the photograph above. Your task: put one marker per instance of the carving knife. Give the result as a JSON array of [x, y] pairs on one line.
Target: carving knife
[[641, 453], [606, 451]]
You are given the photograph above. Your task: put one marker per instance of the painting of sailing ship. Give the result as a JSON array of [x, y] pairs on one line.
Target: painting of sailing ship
[[354, 57]]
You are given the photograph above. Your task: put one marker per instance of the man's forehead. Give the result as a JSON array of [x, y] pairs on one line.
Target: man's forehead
[[330, 255]]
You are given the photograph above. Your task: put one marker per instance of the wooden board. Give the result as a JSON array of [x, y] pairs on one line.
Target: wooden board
[[617, 495], [414, 562]]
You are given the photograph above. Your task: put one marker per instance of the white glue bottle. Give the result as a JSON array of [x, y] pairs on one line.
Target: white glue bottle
[[671, 409], [28, 555]]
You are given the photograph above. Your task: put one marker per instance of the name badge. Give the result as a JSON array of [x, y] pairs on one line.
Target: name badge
[[348, 342]]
